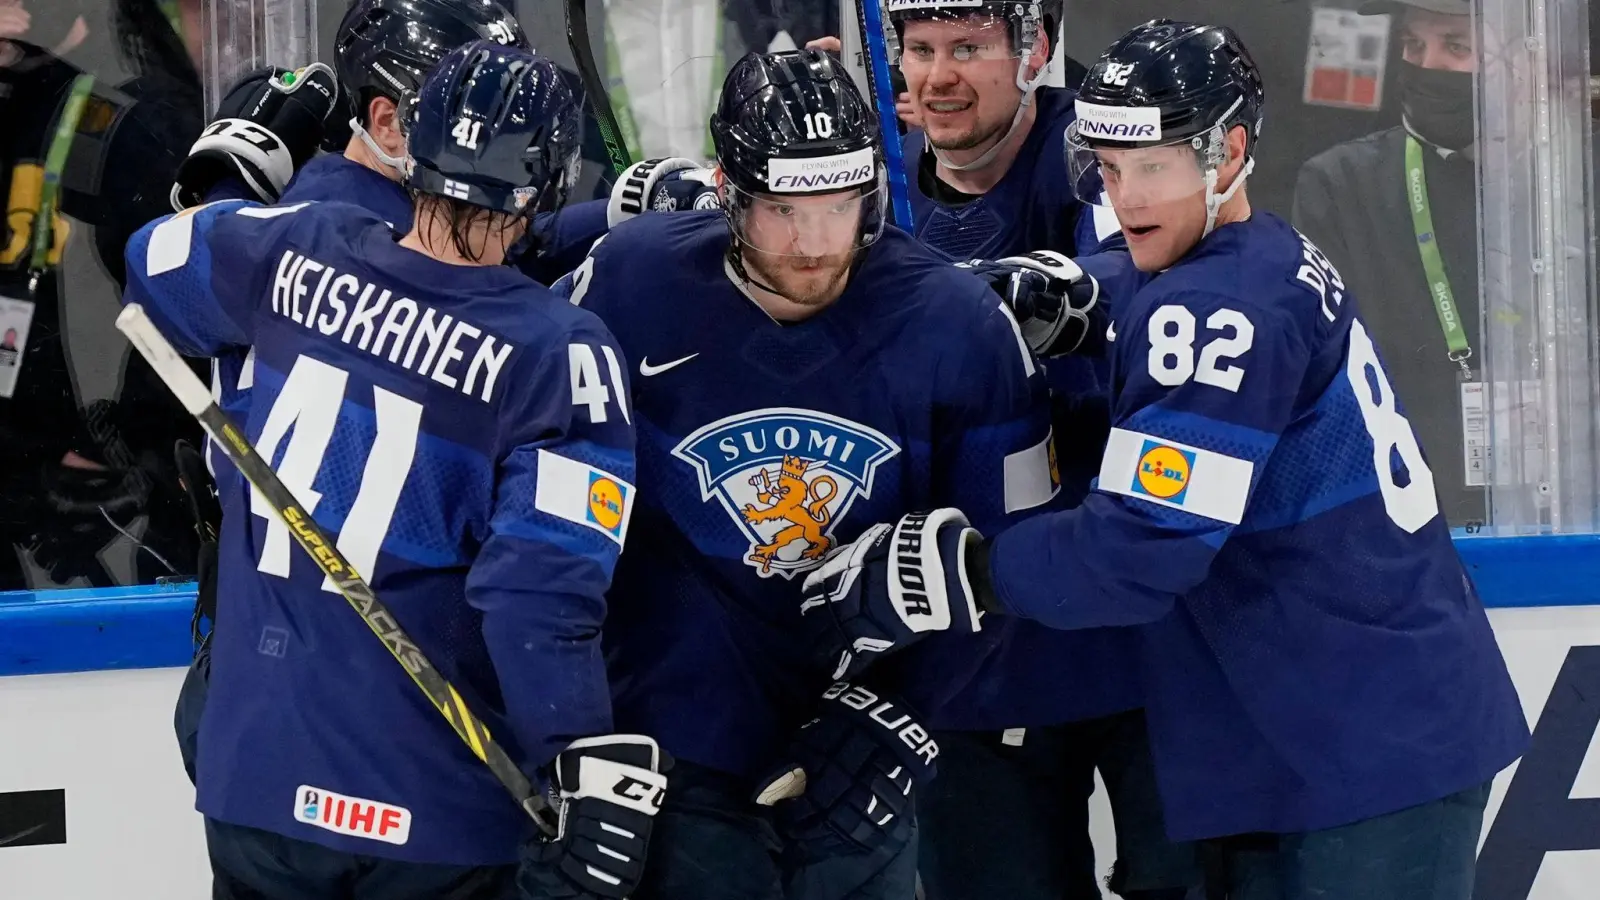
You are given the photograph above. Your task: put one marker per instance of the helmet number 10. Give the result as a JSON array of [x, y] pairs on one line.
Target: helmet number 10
[[466, 132], [818, 125]]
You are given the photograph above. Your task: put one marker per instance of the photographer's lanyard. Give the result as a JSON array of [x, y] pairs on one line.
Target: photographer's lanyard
[[1474, 421], [16, 314]]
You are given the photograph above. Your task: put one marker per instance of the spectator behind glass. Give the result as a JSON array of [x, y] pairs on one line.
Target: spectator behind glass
[[1352, 202], [76, 472]]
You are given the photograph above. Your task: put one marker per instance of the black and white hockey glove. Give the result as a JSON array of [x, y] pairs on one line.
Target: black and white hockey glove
[[1051, 296], [608, 790], [270, 123], [661, 185], [892, 587], [850, 780]]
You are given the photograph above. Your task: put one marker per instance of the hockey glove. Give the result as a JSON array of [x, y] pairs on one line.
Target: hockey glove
[[850, 783], [607, 791], [661, 185], [890, 588], [271, 122], [1051, 296]]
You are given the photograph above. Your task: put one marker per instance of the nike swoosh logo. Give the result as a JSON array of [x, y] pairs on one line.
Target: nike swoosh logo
[[647, 370], [20, 835]]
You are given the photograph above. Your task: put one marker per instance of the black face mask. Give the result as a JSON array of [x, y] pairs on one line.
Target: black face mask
[[1438, 105]]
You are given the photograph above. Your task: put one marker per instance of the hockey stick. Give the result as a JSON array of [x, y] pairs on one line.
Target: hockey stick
[[196, 398], [875, 53], [593, 85]]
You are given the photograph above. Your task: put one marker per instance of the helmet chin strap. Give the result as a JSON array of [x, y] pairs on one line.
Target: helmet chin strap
[[396, 163], [741, 277], [1028, 86], [1216, 154], [1215, 201]]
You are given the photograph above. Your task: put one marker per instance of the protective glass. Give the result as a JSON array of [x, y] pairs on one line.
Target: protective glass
[[1136, 176], [806, 225]]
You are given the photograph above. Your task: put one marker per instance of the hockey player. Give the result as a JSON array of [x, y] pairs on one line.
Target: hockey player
[[416, 396], [1320, 675], [262, 146], [802, 370], [986, 180]]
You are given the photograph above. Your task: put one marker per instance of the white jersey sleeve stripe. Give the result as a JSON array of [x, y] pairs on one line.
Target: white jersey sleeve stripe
[[1151, 468], [1030, 477], [582, 494]]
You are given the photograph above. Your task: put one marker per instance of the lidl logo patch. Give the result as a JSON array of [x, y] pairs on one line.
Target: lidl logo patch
[[606, 502], [583, 494], [1163, 471]]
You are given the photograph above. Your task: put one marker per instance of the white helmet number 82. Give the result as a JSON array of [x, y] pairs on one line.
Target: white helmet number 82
[[1117, 73]]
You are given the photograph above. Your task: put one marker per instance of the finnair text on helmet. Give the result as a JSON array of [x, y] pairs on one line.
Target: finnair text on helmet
[[1118, 131], [1119, 123], [787, 183], [903, 5], [789, 176]]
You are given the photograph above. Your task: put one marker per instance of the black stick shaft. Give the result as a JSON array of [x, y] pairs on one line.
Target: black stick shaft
[[594, 85]]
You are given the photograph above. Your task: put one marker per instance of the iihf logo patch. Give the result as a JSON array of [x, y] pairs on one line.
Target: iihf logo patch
[[786, 476]]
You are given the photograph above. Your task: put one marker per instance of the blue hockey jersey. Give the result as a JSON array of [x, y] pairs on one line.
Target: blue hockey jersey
[[329, 177], [466, 436], [1033, 207], [334, 177], [762, 446], [1314, 654]]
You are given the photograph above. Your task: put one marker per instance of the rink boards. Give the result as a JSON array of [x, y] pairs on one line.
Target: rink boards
[[94, 801]]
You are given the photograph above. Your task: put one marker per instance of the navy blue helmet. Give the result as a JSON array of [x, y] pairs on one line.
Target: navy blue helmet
[[495, 127], [387, 47], [1194, 78], [794, 123], [771, 107], [1165, 84]]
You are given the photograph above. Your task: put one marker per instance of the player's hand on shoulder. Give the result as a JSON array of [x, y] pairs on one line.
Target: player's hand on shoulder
[[661, 185], [268, 125], [1051, 296], [850, 776], [892, 587], [607, 791]]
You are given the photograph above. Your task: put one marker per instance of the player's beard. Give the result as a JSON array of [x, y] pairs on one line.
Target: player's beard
[[804, 281]]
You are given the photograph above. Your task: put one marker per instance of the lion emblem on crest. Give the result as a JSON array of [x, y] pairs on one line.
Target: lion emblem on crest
[[804, 505]]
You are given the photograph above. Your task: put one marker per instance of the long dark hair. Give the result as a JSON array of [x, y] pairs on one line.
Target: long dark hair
[[463, 219]]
